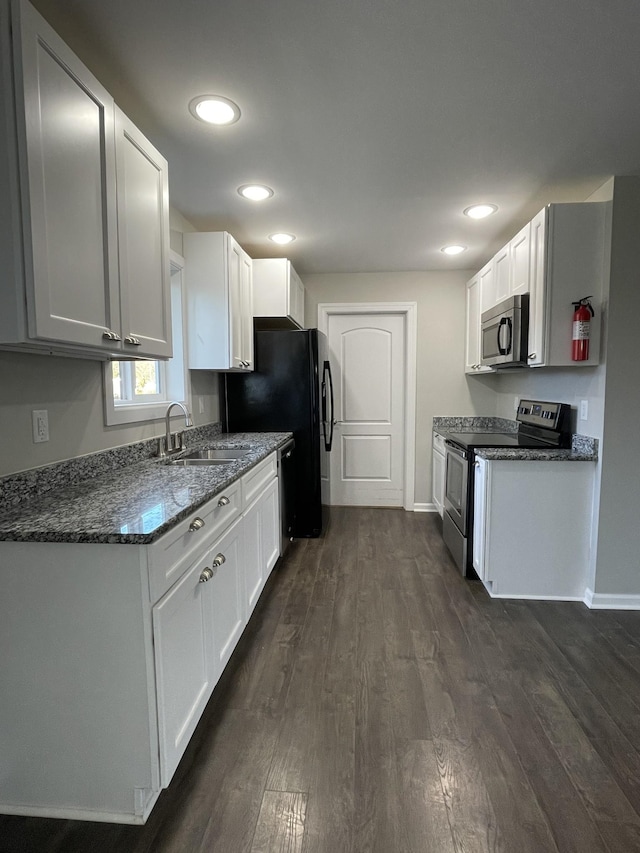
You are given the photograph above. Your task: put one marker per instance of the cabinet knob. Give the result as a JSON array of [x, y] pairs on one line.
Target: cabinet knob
[[207, 574], [224, 500], [110, 335], [218, 560], [196, 524], [131, 340]]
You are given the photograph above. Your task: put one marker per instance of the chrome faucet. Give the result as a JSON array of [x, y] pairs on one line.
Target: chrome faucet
[[172, 443]]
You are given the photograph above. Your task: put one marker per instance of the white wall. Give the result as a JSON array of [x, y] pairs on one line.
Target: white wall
[[442, 387], [618, 554]]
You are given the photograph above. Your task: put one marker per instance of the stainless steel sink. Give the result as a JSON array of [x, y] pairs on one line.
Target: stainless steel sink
[[213, 456]]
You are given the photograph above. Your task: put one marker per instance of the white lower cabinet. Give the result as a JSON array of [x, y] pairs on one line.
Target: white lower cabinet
[[186, 666], [111, 652], [437, 472], [262, 543], [531, 528], [227, 593]]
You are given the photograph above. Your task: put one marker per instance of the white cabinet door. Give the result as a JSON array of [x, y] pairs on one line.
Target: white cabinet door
[[228, 593], [472, 347], [246, 310], [296, 299], [261, 542], [437, 480], [472, 328], [520, 250], [480, 522], [270, 527], [220, 316], [186, 667], [143, 243], [487, 287], [537, 294], [68, 182], [502, 274]]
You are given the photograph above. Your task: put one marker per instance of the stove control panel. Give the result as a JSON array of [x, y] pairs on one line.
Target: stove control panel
[[546, 415]]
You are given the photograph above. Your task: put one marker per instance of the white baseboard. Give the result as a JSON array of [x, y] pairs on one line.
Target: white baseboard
[[424, 507], [602, 601]]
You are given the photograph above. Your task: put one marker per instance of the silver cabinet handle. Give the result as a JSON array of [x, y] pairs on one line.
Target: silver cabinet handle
[[110, 335], [131, 340], [207, 574], [224, 500], [196, 524], [218, 560]]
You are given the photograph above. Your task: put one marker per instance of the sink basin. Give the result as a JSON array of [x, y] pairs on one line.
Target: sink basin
[[213, 456]]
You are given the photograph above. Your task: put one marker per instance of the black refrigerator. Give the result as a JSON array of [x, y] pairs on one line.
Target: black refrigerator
[[290, 389]]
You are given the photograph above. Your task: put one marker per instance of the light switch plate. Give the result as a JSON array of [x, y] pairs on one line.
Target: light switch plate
[[584, 410]]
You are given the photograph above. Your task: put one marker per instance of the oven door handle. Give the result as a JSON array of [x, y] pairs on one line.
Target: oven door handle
[[457, 451]]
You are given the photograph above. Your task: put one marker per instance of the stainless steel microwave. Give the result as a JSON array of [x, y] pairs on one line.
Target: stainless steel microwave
[[504, 333]]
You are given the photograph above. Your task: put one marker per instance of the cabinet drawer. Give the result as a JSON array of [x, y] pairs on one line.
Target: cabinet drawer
[[438, 442], [166, 556], [257, 478]]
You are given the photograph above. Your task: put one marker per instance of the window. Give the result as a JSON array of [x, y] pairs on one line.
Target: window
[[136, 391]]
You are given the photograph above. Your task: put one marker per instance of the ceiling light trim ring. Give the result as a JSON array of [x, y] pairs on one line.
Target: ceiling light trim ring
[[265, 192], [282, 238], [232, 110], [480, 210]]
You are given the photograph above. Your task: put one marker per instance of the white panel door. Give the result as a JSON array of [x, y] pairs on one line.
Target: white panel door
[[367, 353]]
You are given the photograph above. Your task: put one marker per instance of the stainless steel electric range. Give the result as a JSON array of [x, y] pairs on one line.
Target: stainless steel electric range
[[540, 425]]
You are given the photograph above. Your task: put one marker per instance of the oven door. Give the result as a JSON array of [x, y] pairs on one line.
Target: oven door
[[456, 499]]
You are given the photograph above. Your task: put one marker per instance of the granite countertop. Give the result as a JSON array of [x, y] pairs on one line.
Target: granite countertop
[[134, 504], [583, 448], [523, 454]]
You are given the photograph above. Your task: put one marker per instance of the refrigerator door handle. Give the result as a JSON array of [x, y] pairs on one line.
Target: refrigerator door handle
[[327, 418]]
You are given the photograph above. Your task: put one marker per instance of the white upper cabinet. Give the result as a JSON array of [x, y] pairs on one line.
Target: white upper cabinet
[[519, 263], [502, 274], [58, 204], [278, 294], [474, 308], [218, 275], [567, 257], [143, 242]]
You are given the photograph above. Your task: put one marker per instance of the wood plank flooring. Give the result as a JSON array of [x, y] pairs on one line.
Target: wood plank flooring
[[380, 703]]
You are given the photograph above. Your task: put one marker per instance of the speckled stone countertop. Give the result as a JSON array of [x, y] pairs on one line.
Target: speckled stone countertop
[[583, 448], [133, 504]]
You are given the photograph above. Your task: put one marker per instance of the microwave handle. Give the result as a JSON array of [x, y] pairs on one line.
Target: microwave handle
[[505, 323]]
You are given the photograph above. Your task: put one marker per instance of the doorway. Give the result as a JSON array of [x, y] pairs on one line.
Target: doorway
[[372, 348]]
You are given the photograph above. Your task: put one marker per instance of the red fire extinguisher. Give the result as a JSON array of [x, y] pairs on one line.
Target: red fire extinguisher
[[583, 312]]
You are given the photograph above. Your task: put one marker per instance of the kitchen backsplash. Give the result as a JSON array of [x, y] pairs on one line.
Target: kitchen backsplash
[[27, 485]]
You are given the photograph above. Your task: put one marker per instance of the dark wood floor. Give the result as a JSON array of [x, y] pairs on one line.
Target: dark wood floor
[[379, 702]]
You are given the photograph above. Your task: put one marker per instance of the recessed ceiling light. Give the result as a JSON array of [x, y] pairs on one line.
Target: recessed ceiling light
[[282, 239], [479, 211], [255, 192], [214, 109], [453, 250]]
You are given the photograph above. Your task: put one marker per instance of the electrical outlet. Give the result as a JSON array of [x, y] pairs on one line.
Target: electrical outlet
[[201, 405], [40, 425], [584, 410], [515, 404]]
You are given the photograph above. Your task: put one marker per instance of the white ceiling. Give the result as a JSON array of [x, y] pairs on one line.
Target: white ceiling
[[375, 122]]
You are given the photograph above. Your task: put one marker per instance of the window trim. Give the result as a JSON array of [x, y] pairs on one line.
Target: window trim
[[155, 411]]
